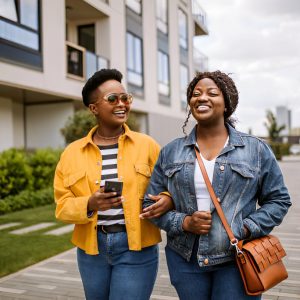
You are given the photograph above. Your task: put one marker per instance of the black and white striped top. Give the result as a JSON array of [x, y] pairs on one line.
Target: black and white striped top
[[110, 172]]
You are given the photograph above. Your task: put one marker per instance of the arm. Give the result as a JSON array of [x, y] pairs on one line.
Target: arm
[[69, 208], [171, 221], [79, 210], [273, 197], [163, 203]]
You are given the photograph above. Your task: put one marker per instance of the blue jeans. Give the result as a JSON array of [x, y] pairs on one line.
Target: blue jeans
[[118, 273], [220, 282]]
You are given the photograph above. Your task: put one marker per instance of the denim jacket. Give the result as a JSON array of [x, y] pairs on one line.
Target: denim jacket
[[246, 173]]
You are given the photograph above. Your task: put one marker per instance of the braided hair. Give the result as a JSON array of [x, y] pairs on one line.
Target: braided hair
[[229, 91]]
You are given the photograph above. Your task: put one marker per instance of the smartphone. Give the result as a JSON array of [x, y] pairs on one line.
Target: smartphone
[[113, 186]]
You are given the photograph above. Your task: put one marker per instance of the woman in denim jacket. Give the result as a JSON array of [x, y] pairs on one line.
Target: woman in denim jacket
[[244, 174]]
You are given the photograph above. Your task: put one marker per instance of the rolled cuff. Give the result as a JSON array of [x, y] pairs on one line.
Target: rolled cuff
[[253, 228]]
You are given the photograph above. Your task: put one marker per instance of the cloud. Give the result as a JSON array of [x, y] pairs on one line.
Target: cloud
[[259, 42]]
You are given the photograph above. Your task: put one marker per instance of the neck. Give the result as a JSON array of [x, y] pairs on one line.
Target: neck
[[107, 136], [108, 132], [211, 132]]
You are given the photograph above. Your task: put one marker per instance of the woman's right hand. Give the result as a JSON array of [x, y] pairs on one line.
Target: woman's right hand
[[198, 223], [104, 201]]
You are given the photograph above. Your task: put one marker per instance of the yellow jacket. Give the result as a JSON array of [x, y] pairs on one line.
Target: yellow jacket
[[78, 175]]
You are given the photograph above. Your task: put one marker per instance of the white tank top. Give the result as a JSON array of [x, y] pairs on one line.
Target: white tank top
[[202, 194]]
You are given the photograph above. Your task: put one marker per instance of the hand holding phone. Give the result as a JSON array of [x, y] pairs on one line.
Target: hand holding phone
[[113, 186]]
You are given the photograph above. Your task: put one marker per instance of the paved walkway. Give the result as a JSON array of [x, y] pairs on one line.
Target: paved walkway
[[58, 278]]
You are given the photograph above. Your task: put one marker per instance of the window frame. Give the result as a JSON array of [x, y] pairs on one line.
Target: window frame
[[162, 83], [183, 40], [183, 88], [134, 70], [162, 25], [25, 27], [19, 54], [131, 5]]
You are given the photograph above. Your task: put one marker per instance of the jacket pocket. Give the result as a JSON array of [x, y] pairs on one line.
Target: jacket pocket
[[173, 180], [143, 172], [242, 170], [171, 170], [77, 183]]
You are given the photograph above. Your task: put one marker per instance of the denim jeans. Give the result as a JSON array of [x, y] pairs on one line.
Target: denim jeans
[[118, 273], [219, 282]]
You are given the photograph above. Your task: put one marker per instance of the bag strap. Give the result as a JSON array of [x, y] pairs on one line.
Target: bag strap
[[215, 200]]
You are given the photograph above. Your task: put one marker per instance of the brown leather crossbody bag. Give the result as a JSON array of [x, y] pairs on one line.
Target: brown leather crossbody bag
[[259, 260]]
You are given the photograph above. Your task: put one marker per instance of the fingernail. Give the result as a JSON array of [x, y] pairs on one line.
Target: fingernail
[[150, 195], [141, 217]]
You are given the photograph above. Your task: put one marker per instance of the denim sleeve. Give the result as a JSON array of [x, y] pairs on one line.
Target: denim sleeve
[[273, 196], [171, 221]]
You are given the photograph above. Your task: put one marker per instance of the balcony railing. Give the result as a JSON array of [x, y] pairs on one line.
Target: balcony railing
[[200, 18], [200, 61], [81, 63]]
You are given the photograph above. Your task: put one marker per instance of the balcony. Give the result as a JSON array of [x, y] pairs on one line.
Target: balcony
[[82, 64], [200, 61], [199, 16]]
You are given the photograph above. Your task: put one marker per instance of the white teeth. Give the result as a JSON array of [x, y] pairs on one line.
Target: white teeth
[[120, 112]]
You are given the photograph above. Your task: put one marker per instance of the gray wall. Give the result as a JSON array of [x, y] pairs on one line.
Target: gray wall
[[165, 129]]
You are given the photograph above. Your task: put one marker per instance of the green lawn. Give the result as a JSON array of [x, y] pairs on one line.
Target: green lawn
[[20, 251]]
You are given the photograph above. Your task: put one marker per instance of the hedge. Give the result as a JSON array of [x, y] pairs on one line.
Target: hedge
[[26, 199]]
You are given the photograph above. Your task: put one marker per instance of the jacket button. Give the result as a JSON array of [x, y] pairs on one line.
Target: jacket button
[[206, 261], [222, 168]]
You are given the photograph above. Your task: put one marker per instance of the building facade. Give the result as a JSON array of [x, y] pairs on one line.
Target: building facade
[[49, 48]]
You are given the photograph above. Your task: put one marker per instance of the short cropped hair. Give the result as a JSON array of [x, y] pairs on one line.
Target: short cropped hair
[[97, 79]]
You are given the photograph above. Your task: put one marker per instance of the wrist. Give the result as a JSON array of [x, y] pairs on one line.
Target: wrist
[[247, 232], [186, 223]]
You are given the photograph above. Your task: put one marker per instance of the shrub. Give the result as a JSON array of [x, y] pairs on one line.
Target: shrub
[[43, 163], [26, 199], [15, 173], [280, 149], [78, 125]]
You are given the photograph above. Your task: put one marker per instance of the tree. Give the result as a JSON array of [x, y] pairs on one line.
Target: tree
[[272, 127], [78, 125]]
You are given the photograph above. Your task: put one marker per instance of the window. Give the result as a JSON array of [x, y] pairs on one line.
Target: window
[[162, 15], [163, 74], [134, 60], [86, 37], [183, 32], [19, 22], [184, 78], [135, 5]]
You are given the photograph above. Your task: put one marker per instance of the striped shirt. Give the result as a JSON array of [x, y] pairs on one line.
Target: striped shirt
[[109, 155]]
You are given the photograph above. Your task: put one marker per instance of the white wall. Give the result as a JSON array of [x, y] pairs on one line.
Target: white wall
[[18, 124], [6, 124], [43, 124]]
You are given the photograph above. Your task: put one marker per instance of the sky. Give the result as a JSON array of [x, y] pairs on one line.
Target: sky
[[258, 43]]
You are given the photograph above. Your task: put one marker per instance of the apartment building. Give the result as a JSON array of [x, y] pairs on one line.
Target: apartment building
[[48, 48]]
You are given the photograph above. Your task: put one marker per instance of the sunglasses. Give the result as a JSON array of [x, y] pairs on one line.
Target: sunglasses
[[114, 98]]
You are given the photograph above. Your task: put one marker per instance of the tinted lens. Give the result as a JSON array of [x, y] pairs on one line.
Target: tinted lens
[[125, 98], [112, 99]]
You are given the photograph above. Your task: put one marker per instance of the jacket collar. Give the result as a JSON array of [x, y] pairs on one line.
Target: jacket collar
[[89, 138], [235, 138]]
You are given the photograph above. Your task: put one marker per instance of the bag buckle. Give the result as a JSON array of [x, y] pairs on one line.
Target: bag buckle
[[234, 243]]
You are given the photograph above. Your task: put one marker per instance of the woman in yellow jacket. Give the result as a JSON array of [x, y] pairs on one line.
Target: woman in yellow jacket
[[117, 250]]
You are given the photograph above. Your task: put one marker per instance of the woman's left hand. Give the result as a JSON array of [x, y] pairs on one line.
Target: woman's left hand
[[163, 204]]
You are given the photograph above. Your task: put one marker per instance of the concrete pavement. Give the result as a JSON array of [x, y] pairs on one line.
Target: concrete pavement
[[58, 277]]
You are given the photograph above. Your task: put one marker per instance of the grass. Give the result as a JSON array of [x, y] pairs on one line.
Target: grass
[[20, 251]]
